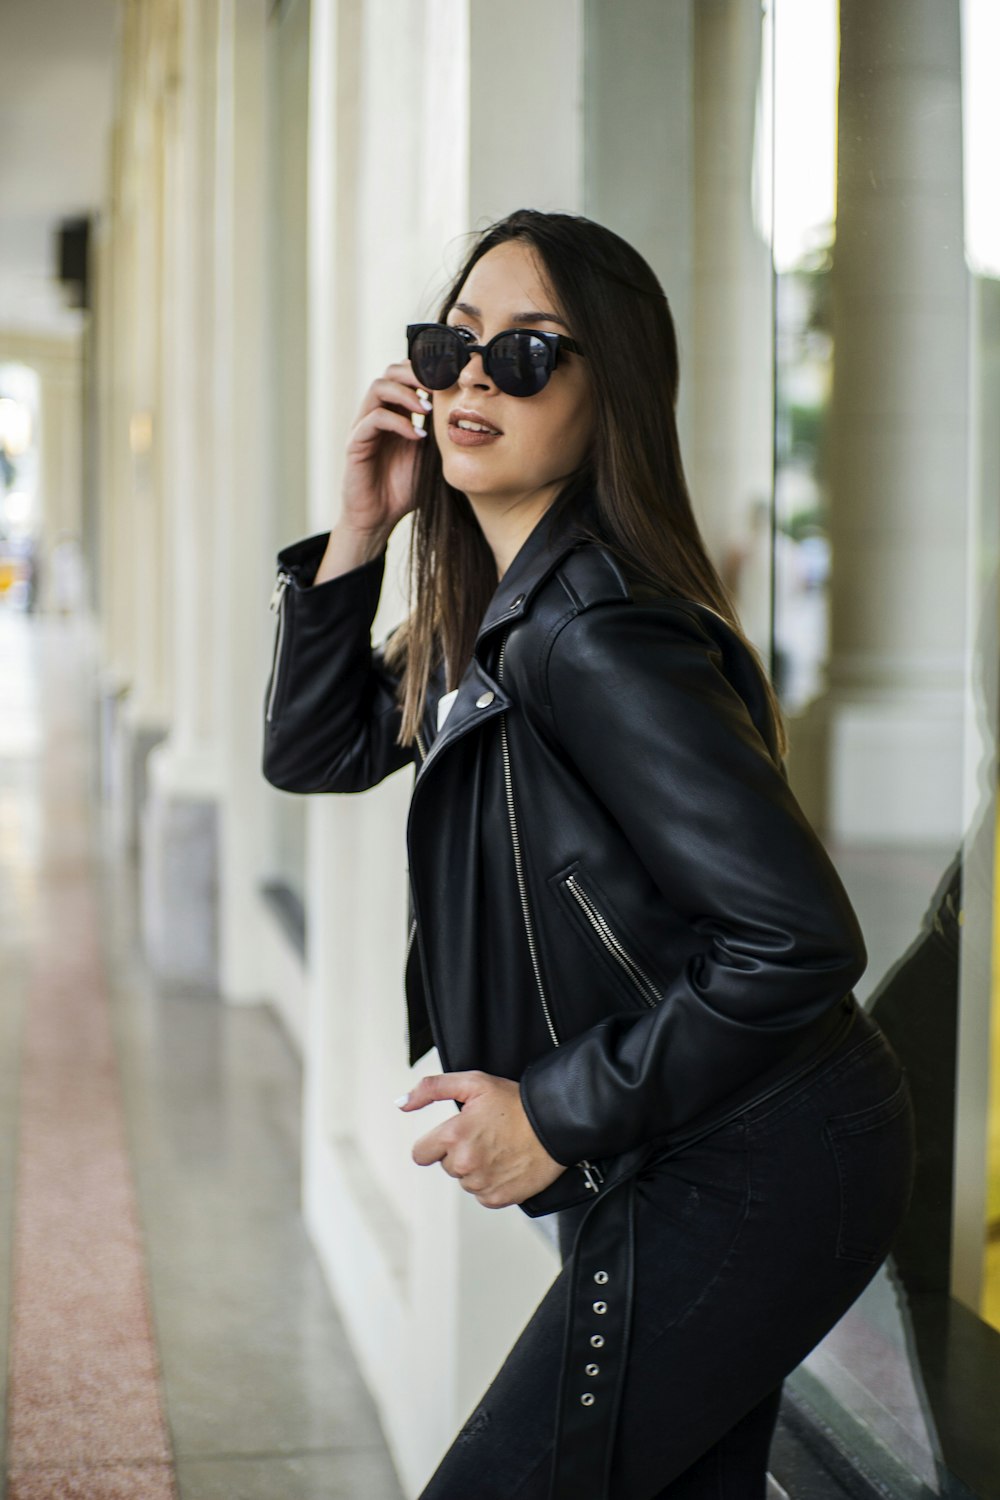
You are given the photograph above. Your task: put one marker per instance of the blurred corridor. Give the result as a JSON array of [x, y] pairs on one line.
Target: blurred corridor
[[166, 1325], [222, 1273]]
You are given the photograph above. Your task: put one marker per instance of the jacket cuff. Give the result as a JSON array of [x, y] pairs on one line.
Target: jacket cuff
[[358, 589], [542, 1084]]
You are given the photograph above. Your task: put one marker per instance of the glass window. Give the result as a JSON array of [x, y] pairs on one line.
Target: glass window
[[815, 184]]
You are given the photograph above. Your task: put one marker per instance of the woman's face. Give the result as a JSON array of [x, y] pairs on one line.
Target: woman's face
[[542, 438]]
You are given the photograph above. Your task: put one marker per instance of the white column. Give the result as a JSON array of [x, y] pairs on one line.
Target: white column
[[117, 515], [881, 752], [404, 161], [180, 832], [639, 172], [144, 713], [242, 573], [535, 158], [729, 369]]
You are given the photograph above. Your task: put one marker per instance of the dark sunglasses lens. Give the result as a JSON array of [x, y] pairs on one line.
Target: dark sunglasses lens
[[520, 364], [436, 357]]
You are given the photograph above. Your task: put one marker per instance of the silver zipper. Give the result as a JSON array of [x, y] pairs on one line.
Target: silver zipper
[[592, 1174], [639, 977], [409, 940], [277, 598], [515, 840], [420, 746]]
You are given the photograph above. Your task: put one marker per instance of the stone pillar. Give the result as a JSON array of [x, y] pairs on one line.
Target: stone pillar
[[404, 161], [242, 572], [646, 195], [180, 817], [730, 369], [878, 758], [136, 689], [116, 539]]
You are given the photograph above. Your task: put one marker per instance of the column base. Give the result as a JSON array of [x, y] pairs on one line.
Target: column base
[[179, 871], [125, 739]]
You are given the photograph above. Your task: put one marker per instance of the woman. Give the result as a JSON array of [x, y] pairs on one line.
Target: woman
[[629, 946]]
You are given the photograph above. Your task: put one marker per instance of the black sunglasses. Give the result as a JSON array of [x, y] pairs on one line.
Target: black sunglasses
[[518, 360]]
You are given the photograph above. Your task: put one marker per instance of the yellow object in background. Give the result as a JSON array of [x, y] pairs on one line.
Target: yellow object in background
[[991, 1277]]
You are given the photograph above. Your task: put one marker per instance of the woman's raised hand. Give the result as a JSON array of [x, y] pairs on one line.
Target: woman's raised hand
[[378, 486], [381, 452]]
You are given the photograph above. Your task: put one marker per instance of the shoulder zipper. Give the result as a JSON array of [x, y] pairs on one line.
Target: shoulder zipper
[[277, 600], [591, 1173]]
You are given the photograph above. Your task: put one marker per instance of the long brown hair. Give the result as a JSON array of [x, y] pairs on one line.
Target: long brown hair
[[618, 311]]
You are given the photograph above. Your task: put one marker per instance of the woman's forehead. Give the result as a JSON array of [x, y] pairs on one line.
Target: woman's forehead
[[508, 282]]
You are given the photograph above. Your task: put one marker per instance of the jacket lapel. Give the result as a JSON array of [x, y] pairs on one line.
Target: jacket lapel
[[480, 697], [555, 534]]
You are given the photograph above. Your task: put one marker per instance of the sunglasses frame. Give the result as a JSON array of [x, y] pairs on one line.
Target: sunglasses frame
[[553, 342]]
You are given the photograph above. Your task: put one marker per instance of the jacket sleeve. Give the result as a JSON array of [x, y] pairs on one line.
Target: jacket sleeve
[[330, 711], [641, 705]]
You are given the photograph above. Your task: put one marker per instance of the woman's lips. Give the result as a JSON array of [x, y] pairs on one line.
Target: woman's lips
[[462, 438]]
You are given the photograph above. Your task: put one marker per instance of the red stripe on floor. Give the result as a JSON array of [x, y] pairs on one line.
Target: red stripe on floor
[[85, 1416]]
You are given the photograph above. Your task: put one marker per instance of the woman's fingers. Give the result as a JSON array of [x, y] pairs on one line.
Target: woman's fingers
[[397, 386], [381, 419], [430, 1148], [461, 1086]]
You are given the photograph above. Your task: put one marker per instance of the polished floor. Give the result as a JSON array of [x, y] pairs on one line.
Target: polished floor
[[165, 1330]]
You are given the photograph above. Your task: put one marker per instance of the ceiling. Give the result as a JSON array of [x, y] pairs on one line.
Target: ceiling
[[55, 115]]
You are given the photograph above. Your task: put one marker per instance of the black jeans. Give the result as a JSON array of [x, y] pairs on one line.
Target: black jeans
[[750, 1245]]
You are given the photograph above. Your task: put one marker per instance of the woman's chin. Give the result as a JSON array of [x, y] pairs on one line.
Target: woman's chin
[[471, 470]]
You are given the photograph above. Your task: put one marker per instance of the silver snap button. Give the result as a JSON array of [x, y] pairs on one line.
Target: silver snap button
[[515, 602], [587, 1399], [597, 1340], [593, 1369], [485, 699], [601, 1277], [600, 1307]]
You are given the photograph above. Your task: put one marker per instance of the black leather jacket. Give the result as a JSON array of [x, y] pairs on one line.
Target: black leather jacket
[[606, 813]]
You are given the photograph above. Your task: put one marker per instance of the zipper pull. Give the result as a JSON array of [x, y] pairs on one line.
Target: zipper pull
[[593, 1176], [281, 584]]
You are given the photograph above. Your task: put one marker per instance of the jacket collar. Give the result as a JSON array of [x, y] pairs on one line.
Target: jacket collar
[[480, 696], [555, 533]]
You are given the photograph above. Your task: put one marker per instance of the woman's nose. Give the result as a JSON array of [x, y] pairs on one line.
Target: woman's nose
[[472, 373]]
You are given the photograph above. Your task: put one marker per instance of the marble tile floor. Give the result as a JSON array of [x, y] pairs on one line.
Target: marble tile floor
[[165, 1331]]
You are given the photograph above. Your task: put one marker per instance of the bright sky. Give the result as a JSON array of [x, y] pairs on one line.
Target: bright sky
[[981, 122], [805, 122]]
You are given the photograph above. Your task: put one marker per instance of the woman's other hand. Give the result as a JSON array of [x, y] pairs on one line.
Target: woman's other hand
[[489, 1146]]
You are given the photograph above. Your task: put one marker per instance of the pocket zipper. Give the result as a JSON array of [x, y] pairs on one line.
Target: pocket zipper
[[592, 1174], [277, 603], [640, 980]]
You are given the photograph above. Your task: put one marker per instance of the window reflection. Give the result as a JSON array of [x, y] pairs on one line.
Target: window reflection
[[823, 214], [885, 655]]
